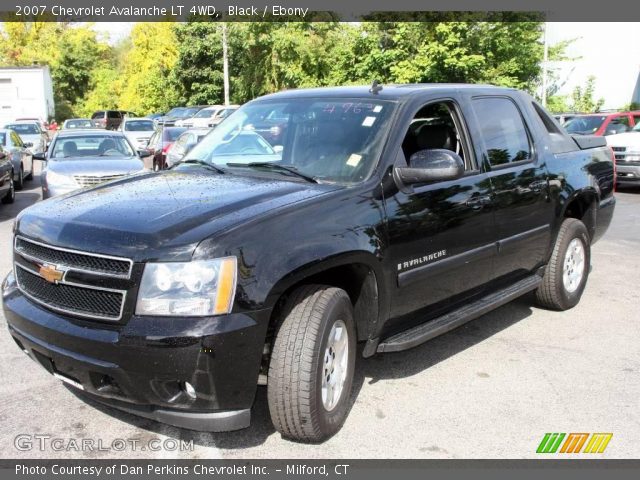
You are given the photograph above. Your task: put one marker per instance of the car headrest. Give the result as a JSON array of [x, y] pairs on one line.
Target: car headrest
[[434, 136]]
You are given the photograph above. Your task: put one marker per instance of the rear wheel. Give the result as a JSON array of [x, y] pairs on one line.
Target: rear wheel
[[11, 194], [312, 364], [566, 274]]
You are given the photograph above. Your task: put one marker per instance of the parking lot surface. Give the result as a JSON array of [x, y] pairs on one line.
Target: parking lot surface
[[490, 389]]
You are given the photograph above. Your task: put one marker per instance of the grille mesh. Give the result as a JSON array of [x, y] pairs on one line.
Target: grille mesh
[[72, 299], [70, 259], [91, 180]]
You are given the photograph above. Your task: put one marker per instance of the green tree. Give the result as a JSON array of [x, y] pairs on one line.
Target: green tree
[[583, 100], [146, 69]]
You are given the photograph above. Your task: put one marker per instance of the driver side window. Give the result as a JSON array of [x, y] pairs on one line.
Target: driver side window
[[436, 126]]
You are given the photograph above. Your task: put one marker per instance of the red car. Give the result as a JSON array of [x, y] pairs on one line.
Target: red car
[[602, 123]]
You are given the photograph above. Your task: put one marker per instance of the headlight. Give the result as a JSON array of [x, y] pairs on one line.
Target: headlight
[[191, 289], [59, 180], [632, 156]]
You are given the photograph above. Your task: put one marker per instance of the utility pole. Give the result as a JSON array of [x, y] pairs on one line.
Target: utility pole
[[545, 61], [225, 63]]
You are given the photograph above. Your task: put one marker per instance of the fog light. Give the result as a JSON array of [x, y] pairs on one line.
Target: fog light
[[189, 390]]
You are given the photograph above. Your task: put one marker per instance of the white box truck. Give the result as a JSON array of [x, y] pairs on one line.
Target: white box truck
[[26, 92]]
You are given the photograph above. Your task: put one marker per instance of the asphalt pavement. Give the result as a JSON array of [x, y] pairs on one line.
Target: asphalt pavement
[[490, 389]]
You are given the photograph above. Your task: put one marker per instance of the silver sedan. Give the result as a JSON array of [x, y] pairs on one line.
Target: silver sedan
[[87, 158]]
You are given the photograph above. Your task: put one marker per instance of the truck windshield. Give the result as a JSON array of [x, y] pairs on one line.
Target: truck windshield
[[584, 125], [329, 139]]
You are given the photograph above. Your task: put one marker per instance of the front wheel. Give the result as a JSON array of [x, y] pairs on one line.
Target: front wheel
[[312, 364], [20, 179], [566, 274], [10, 197]]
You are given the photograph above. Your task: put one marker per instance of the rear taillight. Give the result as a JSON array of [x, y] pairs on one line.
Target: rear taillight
[[615, 169], [166, 148]]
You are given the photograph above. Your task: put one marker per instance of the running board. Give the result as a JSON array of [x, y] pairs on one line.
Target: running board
[[426, 331]]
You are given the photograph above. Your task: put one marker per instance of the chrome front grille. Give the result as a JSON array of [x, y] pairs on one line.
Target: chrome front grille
[[73, 259], [93, 180], [80, 300], [70, 281]]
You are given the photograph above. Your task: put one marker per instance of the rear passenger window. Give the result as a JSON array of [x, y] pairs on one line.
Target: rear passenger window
[[547, 121], [113, 114], [504, 133]]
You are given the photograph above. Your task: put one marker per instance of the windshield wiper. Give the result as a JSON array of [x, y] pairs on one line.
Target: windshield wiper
[[276, 166], [202, 163]]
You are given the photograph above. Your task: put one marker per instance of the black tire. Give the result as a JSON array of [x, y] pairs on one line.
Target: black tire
[[20, 182], [10, 197], [296, 369], [552, 293], [30, 176]]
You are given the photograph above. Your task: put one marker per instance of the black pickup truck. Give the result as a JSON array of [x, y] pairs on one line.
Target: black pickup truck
[[381, 217]]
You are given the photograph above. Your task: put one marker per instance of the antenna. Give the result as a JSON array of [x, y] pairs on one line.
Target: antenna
[[375, 87]]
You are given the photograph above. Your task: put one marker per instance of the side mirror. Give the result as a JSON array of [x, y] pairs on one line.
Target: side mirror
[[39, 156], [144, 153], [433, 165]]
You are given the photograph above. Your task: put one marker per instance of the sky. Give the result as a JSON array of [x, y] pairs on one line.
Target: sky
[[608, 51]]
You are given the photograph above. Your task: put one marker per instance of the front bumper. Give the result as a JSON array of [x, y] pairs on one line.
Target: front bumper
[[52, 190], [141, 367], [627, 174]]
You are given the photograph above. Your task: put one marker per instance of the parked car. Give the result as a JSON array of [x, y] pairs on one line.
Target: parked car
[[30, 133], [242, 272], [159, 144], [107, 119], [201, 119], [81, 123], [87, 158], [179, 115], [602, 123], [155, 117], [208, 117], [44, 125], [138, 130], [626, 148], [17, 152], [7, 185], [184, 143], [563, 118]]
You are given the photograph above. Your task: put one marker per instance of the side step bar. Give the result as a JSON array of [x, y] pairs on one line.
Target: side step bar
[[426, 331]]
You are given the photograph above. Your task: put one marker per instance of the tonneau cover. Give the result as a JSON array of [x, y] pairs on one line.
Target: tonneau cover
[[589, 141]]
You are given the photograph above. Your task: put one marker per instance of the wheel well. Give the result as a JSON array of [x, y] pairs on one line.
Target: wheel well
[[583, 208], [357, 279]]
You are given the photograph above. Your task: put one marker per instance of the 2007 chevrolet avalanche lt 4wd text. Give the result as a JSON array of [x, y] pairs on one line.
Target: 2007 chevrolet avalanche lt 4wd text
[[383, 216]]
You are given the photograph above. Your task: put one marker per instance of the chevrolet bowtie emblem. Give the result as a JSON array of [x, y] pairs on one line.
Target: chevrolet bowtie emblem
[[51, 274]]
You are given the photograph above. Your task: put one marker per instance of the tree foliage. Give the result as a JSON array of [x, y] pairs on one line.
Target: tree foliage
[[164, 64], [583, 99]]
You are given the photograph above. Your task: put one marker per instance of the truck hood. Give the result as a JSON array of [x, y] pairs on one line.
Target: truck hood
[[628, 139], [158, 216]]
